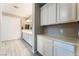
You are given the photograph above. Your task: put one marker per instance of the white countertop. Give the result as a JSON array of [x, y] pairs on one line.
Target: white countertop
[[27, 31]]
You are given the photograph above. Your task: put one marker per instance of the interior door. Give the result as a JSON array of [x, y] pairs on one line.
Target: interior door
[[10, 27]]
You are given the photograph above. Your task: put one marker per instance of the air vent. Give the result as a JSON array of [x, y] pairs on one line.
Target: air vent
[[16, 7]]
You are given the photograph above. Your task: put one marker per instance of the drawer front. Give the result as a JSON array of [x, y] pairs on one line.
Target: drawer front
[[65, 45]]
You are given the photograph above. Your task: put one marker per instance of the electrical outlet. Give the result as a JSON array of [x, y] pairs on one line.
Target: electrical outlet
[[61, 30]]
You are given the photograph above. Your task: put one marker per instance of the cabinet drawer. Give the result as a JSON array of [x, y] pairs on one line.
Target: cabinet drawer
[[65, 45]]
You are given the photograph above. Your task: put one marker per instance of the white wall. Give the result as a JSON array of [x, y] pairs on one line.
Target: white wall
[[10, 28], [23, 22]]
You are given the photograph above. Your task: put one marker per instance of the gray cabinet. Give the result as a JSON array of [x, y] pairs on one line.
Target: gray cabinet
[[48, 14], [66, 12], [63, 49]]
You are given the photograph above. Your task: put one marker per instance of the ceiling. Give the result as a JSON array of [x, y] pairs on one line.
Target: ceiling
[[19, 9]]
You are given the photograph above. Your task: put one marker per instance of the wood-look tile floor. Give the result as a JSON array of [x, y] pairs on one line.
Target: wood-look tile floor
[[14, 48]]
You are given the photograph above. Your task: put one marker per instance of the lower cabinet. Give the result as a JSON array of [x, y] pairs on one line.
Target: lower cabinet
[[28, 38], [59, 51], [44, 46], [63, 49], [31, 39], [40, 44], [50, 47]]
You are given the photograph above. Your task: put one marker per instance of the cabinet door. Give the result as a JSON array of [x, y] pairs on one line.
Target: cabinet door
[[48, 14], [24, 36], [43, 15], [66, 12], [59, 51], [51, 14], [48, 47], [63, 49], [45, 46], [78, 12], [40, 45], [27, 37], [30, 39]]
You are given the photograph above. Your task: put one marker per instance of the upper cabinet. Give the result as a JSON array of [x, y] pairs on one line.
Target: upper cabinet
[[48, 14], [78, 12], [52, 13], [66, 12]]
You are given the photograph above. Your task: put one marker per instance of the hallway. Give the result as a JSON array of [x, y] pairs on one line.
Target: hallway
[[14, 48]]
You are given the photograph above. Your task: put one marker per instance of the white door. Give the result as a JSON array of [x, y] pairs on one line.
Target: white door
[[10, 28], [66, 12]]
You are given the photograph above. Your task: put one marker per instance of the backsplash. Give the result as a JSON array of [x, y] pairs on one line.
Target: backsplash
[[78, 30], [67, 30]]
